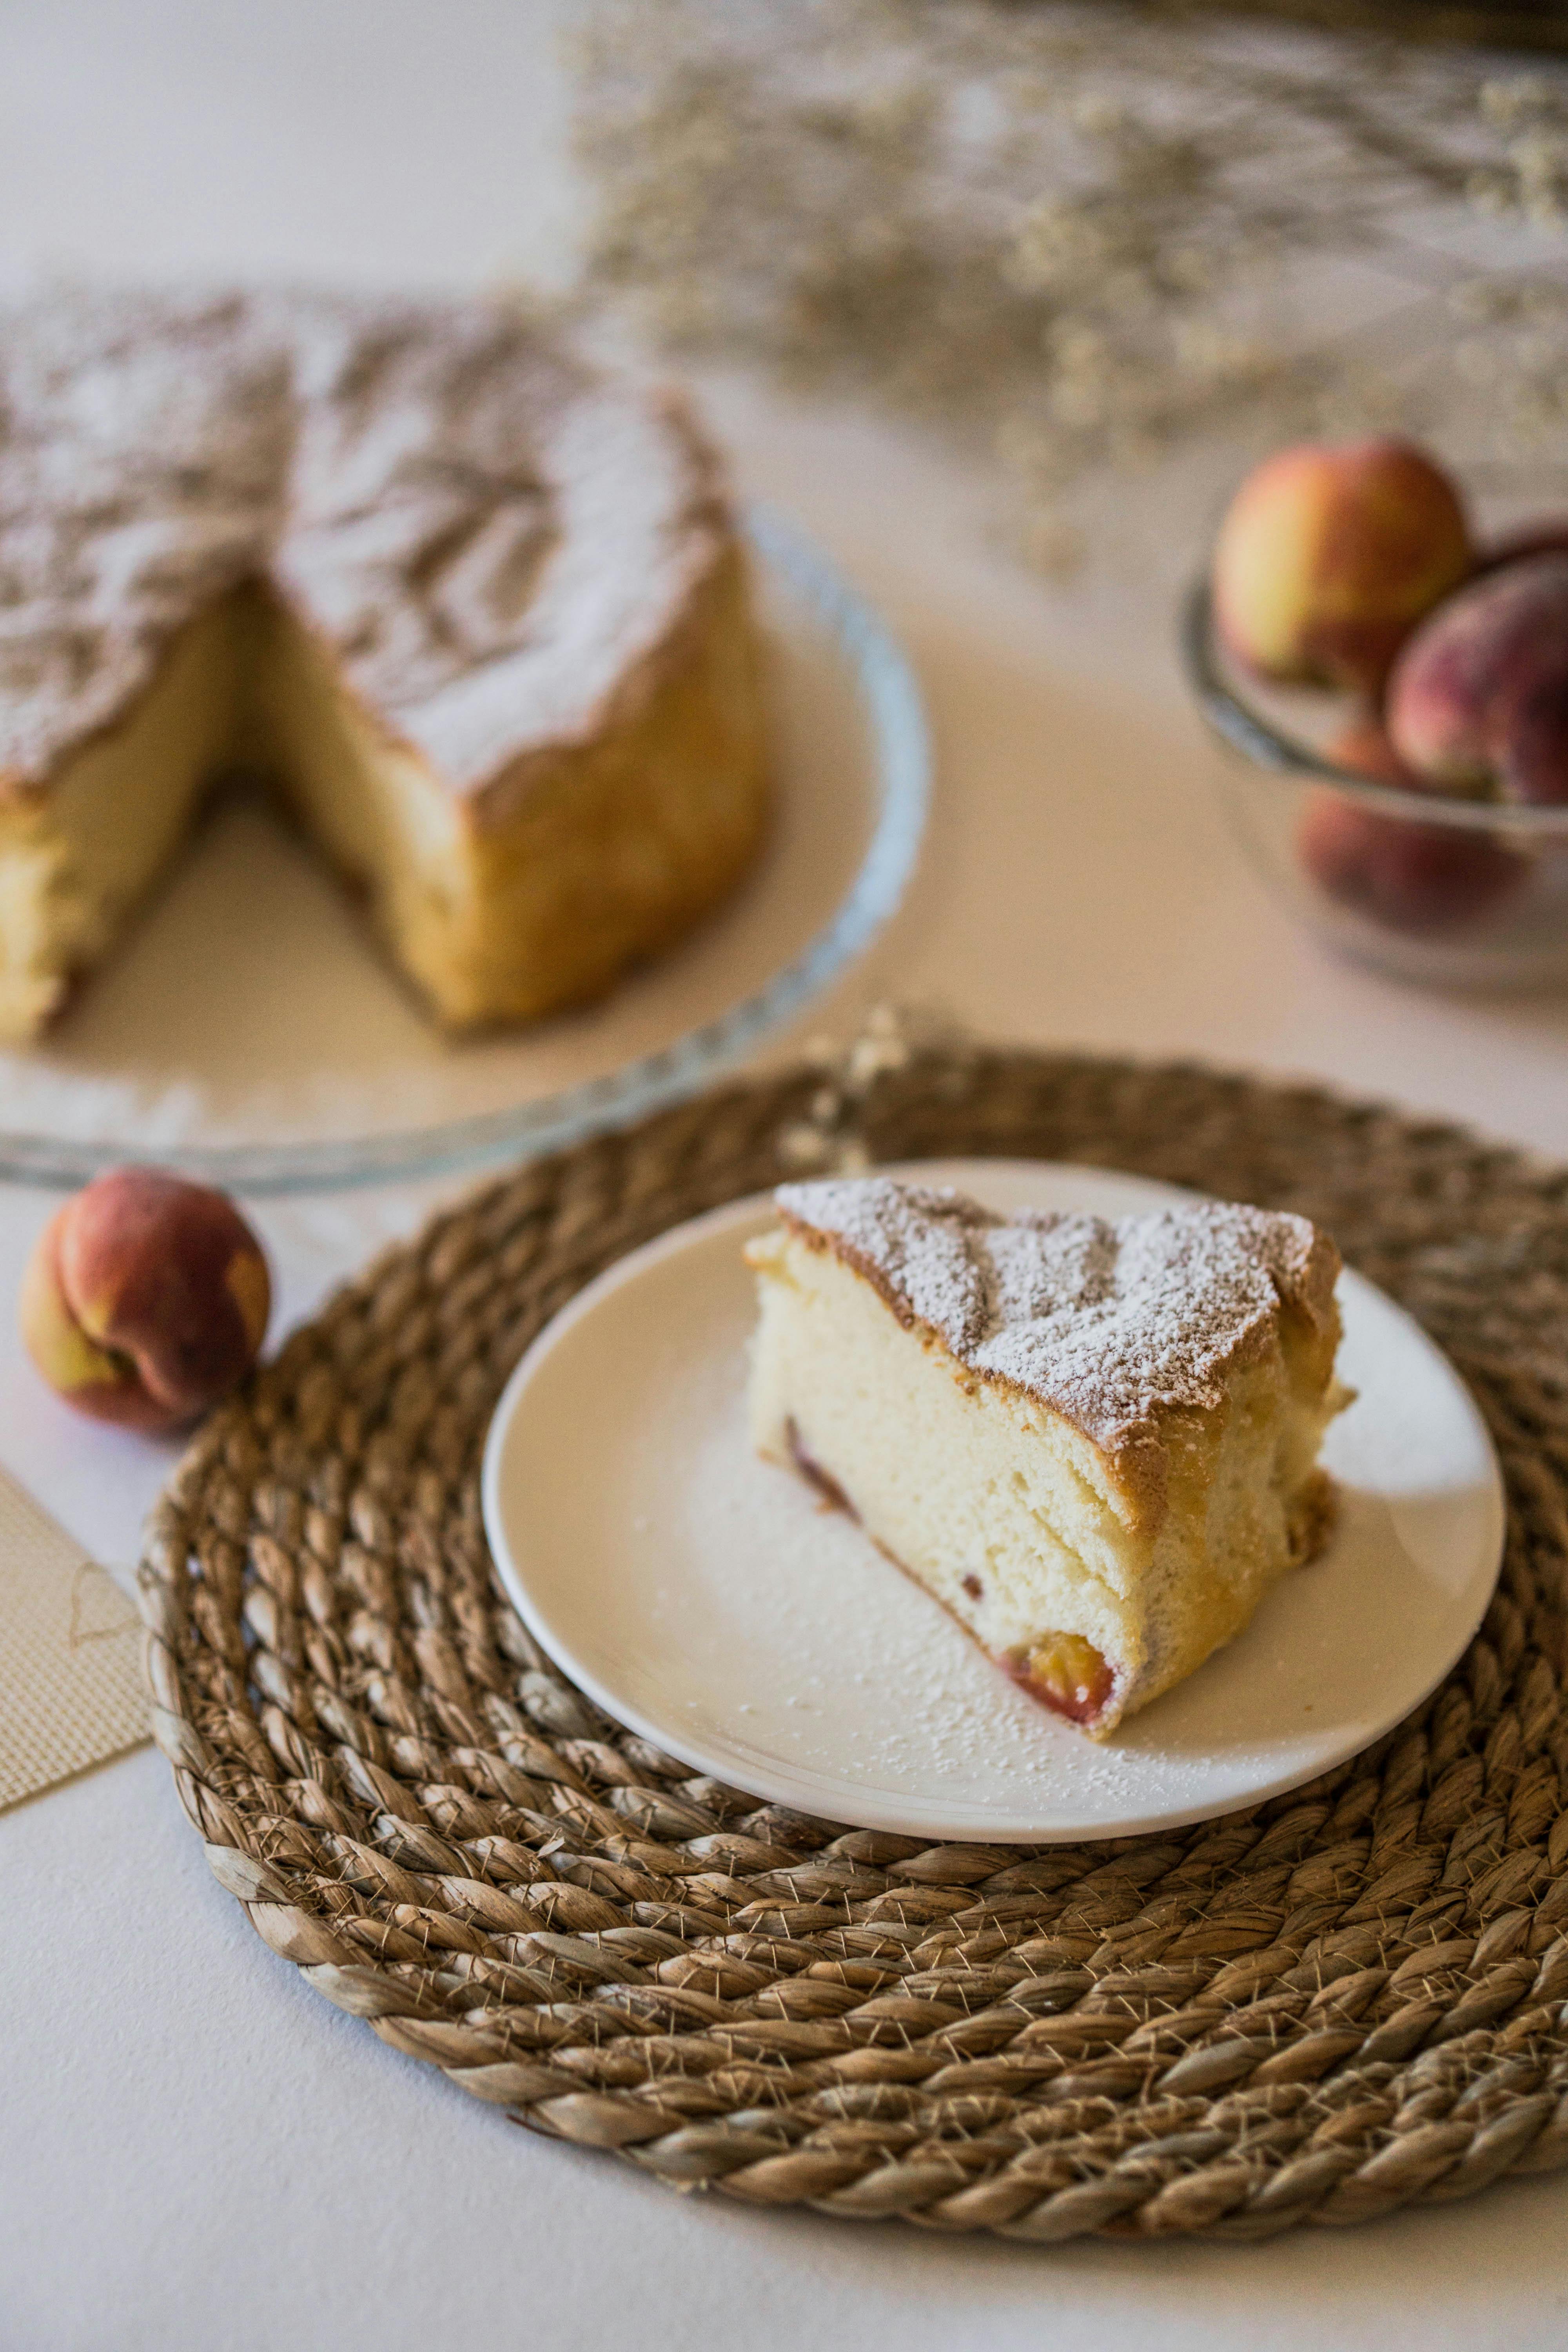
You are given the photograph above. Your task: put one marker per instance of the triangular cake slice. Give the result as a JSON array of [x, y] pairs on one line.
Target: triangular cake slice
[[1095, 1443]]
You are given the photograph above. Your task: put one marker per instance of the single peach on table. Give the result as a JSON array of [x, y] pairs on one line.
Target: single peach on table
[[146, 1299], [1478, 699], [1418, 879], [1330, 555]]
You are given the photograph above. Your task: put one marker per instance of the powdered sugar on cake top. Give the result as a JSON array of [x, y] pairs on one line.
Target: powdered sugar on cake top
[[490, 535], [1109, 1323]]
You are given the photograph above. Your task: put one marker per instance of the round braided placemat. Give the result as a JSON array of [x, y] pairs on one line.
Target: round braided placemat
[[1349, 1998]]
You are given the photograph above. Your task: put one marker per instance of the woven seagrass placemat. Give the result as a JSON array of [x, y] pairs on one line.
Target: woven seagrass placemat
[[1349, 1998]]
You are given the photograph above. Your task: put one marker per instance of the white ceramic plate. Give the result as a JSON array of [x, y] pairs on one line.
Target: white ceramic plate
[[704, 1597]]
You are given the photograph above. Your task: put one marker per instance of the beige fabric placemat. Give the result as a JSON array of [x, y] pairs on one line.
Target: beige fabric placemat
[[71, 1693]]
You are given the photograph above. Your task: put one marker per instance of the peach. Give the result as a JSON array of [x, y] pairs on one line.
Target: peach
[[1419, 879], [1330, 555], [1362, 746], [1478, 699], [145, 1299]]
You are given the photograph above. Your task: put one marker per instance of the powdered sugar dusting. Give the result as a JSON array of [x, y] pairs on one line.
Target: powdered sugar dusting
[[489, 534], [1111, 1323], [141, 450], [702, 1595]]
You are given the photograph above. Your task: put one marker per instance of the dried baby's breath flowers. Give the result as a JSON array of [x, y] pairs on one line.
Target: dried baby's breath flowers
[[1529, 178], [1086, 233], [891, 1039]]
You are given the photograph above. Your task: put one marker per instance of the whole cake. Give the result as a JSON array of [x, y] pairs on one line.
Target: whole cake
[[1095, 1443], [478, 613]]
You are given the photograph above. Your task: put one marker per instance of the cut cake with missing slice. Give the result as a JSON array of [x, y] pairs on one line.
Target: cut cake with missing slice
[[1095, 1443], [479, 612]]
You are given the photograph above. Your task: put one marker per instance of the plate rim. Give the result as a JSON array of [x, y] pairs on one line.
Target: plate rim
[[799, 1789], [888, 691]]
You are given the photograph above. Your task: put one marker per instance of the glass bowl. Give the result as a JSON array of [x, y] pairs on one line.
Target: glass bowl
[[1454, 893]]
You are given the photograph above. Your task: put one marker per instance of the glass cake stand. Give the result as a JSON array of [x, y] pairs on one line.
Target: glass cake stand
[[246, 1033]]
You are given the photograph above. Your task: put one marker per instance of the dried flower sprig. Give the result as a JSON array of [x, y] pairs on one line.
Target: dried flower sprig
[[1086, 233]]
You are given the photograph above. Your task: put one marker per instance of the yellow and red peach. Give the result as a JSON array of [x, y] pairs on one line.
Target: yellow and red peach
[[1407, 876], [146, 1299], [1419, 879], [1330, 555], [1362, 746], [1478, 699]]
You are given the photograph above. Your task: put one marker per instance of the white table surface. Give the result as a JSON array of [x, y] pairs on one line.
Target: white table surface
[[195, 2150]]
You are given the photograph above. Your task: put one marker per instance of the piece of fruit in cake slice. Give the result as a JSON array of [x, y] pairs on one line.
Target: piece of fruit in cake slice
[[1095, 1443]]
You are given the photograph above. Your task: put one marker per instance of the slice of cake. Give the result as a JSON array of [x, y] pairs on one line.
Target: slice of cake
[[1094, 1443]]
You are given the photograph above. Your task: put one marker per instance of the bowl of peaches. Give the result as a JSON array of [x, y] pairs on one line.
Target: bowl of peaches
[[1389, 684]]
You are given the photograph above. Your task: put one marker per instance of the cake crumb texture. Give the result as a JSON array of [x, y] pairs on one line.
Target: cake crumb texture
[[1094, 1442]]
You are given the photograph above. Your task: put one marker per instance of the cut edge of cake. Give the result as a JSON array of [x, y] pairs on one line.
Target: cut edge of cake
[[569, 771], [1095, 1443]]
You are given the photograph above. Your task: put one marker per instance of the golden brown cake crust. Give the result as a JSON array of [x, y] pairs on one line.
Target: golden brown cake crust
[[1122, 1329], [1314, 1519]]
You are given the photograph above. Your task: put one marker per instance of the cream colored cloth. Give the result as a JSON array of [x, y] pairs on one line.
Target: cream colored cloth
[[71, 1693]]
